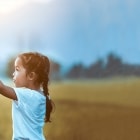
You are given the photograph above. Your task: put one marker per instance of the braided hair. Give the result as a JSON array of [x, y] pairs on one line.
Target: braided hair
[[38, 63]]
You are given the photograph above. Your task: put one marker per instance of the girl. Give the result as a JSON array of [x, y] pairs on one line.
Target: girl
[[31, 106]]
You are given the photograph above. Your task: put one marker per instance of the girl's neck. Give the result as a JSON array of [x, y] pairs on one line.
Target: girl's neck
[[34, 87]]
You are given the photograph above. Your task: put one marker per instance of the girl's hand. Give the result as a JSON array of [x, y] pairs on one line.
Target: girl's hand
[[7, 91]]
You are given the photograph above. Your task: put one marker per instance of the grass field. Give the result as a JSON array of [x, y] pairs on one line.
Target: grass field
[[88, 110]]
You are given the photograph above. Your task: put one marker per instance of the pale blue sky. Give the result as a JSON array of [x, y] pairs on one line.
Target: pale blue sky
[[72, 31]]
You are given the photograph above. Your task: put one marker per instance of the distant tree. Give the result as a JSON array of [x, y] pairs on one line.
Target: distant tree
[[77, 71], [55, 70], [95, 69], [10, 67], [113, 66]]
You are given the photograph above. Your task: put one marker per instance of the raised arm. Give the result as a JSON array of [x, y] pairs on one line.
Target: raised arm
[[7, 91]]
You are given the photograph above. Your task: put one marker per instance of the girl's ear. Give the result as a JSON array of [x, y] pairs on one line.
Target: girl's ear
[[32, 76]]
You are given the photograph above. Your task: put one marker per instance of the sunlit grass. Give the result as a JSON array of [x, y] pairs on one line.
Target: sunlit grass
[[99, 110], [5, 119]]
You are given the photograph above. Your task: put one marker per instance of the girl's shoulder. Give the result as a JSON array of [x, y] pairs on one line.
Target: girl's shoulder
[[28, 93]]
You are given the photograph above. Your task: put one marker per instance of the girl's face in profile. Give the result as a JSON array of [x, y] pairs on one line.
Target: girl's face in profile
[[19, 75]]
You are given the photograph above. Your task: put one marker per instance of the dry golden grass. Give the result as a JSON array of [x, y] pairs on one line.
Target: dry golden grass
[[88, 110]]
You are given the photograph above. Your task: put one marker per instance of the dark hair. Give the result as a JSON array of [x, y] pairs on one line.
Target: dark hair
[[39, 63]]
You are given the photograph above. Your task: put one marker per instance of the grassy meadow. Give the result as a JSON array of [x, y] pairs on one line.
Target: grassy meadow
[[88, 110]]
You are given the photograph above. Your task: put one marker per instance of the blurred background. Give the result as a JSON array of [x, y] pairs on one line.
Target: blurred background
[[94, 48]]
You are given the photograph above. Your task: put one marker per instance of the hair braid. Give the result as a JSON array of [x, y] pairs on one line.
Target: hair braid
[[45, 88]]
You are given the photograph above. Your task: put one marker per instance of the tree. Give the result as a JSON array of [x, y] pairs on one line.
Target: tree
[[95, 69], [77, 71], [10, 67], [113, 66], [55, 70]]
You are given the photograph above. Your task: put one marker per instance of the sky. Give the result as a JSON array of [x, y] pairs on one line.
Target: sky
[[10, 5], [71, 31]]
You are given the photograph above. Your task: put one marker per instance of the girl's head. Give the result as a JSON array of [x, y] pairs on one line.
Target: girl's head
[[32, 71], [34, 66]]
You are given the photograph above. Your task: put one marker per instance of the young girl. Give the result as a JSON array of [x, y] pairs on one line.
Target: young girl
[[31, 105]]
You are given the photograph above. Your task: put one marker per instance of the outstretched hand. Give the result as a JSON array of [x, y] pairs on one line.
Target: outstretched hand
[[7, 91]]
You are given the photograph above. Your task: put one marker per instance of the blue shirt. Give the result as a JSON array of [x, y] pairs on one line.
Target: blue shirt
[[28, 114]]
